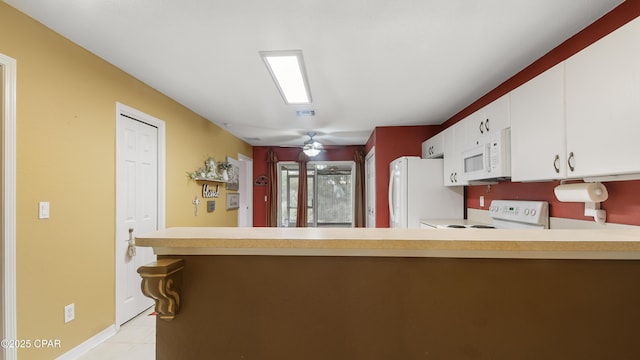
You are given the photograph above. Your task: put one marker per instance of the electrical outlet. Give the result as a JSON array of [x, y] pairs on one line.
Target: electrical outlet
[[482, 201], [69, 313]]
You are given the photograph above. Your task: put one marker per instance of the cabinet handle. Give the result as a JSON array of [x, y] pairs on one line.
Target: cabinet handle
[[481, 127], [486, 124], [451, 177], [571, 162], [556, 164], [455, 177]]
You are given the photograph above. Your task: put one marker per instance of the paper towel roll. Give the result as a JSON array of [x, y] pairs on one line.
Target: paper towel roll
[[581, 192]]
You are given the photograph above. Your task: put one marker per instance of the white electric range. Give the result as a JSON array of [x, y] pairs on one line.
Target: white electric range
[[505, 214]]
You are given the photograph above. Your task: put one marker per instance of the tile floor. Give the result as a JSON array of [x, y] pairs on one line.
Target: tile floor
[[136, 339]]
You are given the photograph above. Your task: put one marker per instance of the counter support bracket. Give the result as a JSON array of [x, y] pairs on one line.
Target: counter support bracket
[[162, 282]]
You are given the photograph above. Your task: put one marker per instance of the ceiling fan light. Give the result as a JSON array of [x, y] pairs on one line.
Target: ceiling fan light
[[312, 149], [311, 152]]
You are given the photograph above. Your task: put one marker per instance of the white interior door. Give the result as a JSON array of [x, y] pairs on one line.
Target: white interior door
[[137, 209], [245, 211]]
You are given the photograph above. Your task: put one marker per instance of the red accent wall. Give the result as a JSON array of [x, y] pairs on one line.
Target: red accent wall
[[391, 143], [623, 205], [342, 153]]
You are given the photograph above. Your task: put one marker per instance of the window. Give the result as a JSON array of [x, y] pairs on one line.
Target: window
[[330, 197]]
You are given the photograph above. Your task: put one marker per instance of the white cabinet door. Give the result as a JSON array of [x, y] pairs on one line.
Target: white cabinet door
[[538, 128], [485, 124], [453, 156], [603, 105], [496, 117], [433, 147], [470, 132]]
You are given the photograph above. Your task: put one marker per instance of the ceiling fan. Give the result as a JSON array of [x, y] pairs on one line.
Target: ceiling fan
[[311, 147]]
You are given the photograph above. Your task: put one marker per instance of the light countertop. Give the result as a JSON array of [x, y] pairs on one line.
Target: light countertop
[[462, 243]]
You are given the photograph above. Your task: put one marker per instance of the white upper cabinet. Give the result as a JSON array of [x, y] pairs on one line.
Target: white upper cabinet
[[485, 123], [602, 88], [497, 117], [453, 174], [581, 118], [578, 120], [478, 129], [538, 128], [469, 134], [433, 147]]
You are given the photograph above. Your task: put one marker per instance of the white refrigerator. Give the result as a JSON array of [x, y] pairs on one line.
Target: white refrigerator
[[417, 191]]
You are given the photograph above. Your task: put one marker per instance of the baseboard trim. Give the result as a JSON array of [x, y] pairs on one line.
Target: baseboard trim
[[92, 342]]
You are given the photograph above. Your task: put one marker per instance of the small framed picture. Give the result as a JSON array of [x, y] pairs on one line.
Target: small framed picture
[[233, 201], [234, 174]]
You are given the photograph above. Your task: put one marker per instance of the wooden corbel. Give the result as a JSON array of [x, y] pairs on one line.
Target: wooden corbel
[[162, 281]]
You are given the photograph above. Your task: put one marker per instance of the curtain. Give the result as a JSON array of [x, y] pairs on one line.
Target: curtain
[[301, 218], [359, 217], [272, 197]]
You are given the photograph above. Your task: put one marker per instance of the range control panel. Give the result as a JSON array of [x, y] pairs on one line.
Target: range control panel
[[529, 212]]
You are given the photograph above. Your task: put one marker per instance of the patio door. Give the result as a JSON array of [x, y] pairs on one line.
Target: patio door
[[330, 197]]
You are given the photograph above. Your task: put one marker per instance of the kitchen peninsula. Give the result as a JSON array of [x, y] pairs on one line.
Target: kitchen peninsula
[[308, 293]]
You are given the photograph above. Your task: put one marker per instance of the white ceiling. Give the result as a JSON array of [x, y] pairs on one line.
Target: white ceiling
[[369, 62]]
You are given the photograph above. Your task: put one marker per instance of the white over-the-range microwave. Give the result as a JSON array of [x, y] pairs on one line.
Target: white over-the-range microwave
[[491, 160]]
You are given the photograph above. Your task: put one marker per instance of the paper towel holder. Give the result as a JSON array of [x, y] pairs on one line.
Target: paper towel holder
[[591, 205], [593, 209]]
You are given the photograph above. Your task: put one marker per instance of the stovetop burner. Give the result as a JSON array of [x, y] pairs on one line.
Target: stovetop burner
[[481, 226], [464, 226]]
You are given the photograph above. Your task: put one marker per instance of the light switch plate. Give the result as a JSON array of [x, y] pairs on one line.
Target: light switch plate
[[69, 313], [481, 201], [43, 210]]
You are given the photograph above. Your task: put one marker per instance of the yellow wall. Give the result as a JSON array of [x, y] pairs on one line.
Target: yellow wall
[[66, 100]]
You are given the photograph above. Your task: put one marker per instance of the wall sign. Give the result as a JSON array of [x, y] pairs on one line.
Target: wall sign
[[261, 180], [233, 201], [209, 193]]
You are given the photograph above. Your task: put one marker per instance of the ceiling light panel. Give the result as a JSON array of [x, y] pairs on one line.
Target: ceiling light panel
[[288, 72]]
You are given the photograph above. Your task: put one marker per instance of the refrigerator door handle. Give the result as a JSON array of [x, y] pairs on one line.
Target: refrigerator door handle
[[391, 183]]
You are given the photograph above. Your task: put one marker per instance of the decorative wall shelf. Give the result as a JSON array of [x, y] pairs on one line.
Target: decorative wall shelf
[[212, 171], [220, 180]]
